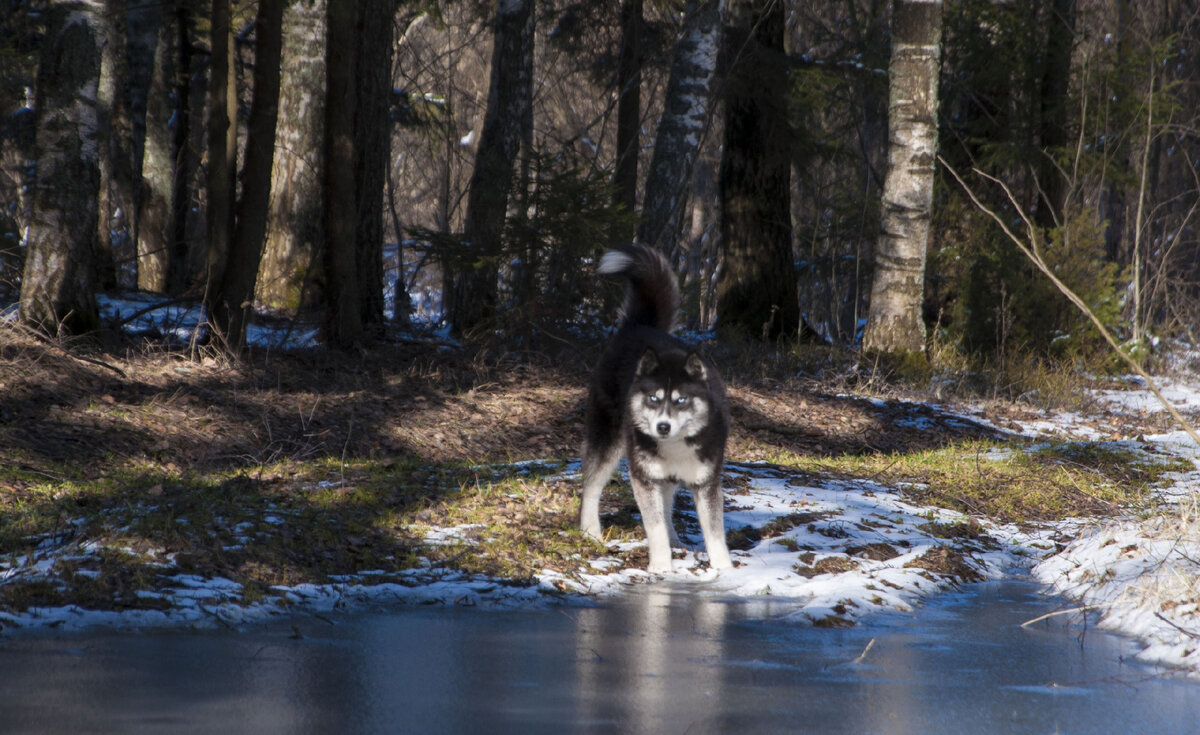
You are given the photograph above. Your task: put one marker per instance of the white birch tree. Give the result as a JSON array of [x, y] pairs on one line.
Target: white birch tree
[[686, 112], [894, 320]]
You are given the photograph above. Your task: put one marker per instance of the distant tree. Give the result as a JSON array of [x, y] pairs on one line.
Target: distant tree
[[115, 223], [288, 277], [58, 287], [168, 164], [18, 140], [1055, 107], [222, 147], [629, 116], [756, 290], [344, 319], [373, 137], [686, 114], [230, 296], [471, 288], [895, 323]]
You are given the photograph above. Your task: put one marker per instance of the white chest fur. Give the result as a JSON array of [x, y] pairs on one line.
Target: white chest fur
[[676, 460]]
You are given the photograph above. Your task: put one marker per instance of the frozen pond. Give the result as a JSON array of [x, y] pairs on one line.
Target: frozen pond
[[659, 659]]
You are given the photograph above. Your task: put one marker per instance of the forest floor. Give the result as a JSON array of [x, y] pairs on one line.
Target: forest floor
[[132, 477]]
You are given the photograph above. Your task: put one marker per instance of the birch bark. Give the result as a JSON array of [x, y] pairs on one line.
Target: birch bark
[[685, 115], [894, 320]]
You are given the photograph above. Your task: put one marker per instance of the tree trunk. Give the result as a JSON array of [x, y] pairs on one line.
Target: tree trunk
[[1055, 98], [232, 301], [686, 115], [115, 201], [472, 292], [189, 137], [58, 287], [629, 88], [159, 220], [894, 322], [222, 148], [344, 316], [291, 257], [373, 133], [756, 291]]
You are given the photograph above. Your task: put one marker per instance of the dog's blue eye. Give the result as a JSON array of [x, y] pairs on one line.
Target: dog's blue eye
[[681, 400], [654, 399]]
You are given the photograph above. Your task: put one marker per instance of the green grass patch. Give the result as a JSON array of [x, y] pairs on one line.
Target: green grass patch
[[1011, 481]]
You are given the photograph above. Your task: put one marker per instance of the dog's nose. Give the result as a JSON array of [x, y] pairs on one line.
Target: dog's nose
[[664, 428]]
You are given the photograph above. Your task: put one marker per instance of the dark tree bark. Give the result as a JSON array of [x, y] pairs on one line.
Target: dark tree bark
[[231, 302], [895, 324], [290, 268], [188, 140], [472, 290], [1055, 98], [686, 114], [756, 290], [116, 196], [629, 115], [344, 317], [372, 149], [58, 287], [222, 148]]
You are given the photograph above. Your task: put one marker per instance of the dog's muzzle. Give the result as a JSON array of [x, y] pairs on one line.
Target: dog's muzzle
[[663, 428]]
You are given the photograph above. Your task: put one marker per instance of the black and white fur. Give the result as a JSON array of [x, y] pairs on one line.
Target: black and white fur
[[658, 402]]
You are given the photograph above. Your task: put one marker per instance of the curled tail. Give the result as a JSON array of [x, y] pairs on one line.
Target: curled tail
[[653, 297]]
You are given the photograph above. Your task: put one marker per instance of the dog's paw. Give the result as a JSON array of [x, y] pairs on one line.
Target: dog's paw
[[719, 559]]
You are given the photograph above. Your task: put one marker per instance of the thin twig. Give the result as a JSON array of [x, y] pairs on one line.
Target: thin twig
[[1040, 618], [863, 655], [1185, 631]]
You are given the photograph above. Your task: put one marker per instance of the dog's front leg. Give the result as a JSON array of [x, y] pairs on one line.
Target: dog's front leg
[[651, 500], [710, 507], [669, 490], [598, 465]]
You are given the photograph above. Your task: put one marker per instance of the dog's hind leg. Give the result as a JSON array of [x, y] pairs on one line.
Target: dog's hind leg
[[598, 466], [652, 500], [710, 508]]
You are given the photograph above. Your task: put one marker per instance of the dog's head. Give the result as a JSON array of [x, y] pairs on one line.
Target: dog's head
[[669, 398]]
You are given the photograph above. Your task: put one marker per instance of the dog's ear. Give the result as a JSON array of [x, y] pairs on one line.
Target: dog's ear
[[648, 363], [695, 367]]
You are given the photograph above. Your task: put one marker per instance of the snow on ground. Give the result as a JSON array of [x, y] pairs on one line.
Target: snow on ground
[[1139, 575], [838, 550], [1142, 575], [1182, 394]]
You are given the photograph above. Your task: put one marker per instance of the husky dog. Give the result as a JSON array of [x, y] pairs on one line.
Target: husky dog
[[658, 402]]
